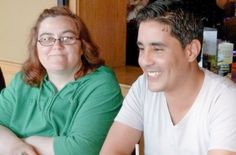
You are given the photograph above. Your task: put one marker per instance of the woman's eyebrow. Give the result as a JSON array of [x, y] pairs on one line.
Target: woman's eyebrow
[[45, 33], [69, 31], [63, 32]]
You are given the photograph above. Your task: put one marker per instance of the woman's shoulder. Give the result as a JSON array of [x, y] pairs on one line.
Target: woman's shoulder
[[104, 70], [17, 78], [103, 73], [100, 80], [17, 84]]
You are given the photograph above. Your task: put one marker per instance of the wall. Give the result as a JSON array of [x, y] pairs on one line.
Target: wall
[[106, 21], [17, 17]]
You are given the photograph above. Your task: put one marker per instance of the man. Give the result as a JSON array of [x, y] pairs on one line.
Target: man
[[179, 108]]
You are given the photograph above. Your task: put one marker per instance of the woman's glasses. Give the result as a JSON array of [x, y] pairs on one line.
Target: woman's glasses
[[50, 41]]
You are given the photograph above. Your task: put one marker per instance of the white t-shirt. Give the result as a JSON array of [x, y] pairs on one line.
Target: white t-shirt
[[209, 124]]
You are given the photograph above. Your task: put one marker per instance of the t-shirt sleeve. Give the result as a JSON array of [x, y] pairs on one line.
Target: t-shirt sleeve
[[131, 113], [223, 122], [93, 120], [8, 101]]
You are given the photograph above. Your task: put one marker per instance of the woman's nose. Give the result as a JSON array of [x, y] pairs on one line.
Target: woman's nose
[[58, 43]]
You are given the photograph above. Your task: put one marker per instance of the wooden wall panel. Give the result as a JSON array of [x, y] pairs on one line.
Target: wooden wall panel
[[106, 21]]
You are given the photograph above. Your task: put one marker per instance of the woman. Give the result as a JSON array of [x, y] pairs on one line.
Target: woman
[[64, 100]]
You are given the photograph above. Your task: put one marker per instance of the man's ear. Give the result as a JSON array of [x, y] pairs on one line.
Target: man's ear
[[193, 49], [222, 3]]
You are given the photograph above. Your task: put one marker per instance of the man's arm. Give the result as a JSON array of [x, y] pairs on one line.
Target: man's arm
[[120, 140], [220, 152]]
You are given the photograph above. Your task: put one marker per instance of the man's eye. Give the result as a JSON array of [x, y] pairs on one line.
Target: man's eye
[[157, 49], [141, 48]]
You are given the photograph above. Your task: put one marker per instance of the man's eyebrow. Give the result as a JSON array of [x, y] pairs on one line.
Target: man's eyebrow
[[158, 44], [153, 44], [139, 43]]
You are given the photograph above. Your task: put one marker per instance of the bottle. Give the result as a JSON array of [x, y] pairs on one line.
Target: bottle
[[233, 72], [224, 57], [233, 67]]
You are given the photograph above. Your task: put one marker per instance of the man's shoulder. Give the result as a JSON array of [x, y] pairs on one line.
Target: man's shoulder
[[218, 82]]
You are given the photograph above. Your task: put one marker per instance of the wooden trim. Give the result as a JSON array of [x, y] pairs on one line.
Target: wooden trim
[[72, 5], [127, 75], [9, 69]]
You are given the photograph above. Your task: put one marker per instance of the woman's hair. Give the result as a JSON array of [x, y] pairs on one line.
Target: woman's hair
[[185, 25], [34, 72]]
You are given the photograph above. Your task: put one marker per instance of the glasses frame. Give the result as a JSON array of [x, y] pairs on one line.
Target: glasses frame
[[60, 39]]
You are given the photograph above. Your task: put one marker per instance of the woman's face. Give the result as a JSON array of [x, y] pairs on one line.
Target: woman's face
[[59, 57]]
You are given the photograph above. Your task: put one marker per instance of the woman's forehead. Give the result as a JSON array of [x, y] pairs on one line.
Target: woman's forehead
[[58, 24]]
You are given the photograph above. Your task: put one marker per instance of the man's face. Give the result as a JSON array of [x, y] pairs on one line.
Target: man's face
[[161, 56]]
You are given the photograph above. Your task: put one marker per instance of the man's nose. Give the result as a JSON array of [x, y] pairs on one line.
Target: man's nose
[[146, 57]]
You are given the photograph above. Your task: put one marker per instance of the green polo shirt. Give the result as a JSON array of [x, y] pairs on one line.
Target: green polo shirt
[[78, 117]]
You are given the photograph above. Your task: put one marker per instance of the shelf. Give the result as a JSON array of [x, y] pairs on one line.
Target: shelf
[[127, 75]]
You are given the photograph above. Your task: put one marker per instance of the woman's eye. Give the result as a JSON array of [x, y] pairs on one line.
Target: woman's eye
[[47, 39], [66, 38]]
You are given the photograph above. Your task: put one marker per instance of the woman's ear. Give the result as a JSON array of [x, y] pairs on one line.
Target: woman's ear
[[193, 50]]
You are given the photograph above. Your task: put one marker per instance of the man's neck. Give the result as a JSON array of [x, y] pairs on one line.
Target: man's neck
[[182, 98]]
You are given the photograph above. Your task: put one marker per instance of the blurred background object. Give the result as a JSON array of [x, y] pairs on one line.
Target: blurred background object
[[2, 80]]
